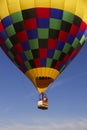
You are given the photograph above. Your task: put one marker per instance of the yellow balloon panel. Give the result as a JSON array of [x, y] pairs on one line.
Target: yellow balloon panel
[[3, 9], [70, 5], [13, 6], [85, 10], [43, 3], [57, 4], [26, 4], [49, 72], [42, 85], [80, 8]]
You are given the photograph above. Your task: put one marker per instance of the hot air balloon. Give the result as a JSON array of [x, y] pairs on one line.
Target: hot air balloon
[[42, 37]]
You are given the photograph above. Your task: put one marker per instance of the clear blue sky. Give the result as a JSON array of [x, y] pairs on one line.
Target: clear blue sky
[[67, 98]]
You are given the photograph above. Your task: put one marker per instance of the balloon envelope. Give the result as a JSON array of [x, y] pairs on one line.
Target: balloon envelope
[[42, 37]]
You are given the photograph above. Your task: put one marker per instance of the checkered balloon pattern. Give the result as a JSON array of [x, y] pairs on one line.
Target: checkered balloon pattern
[[42, 37]]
